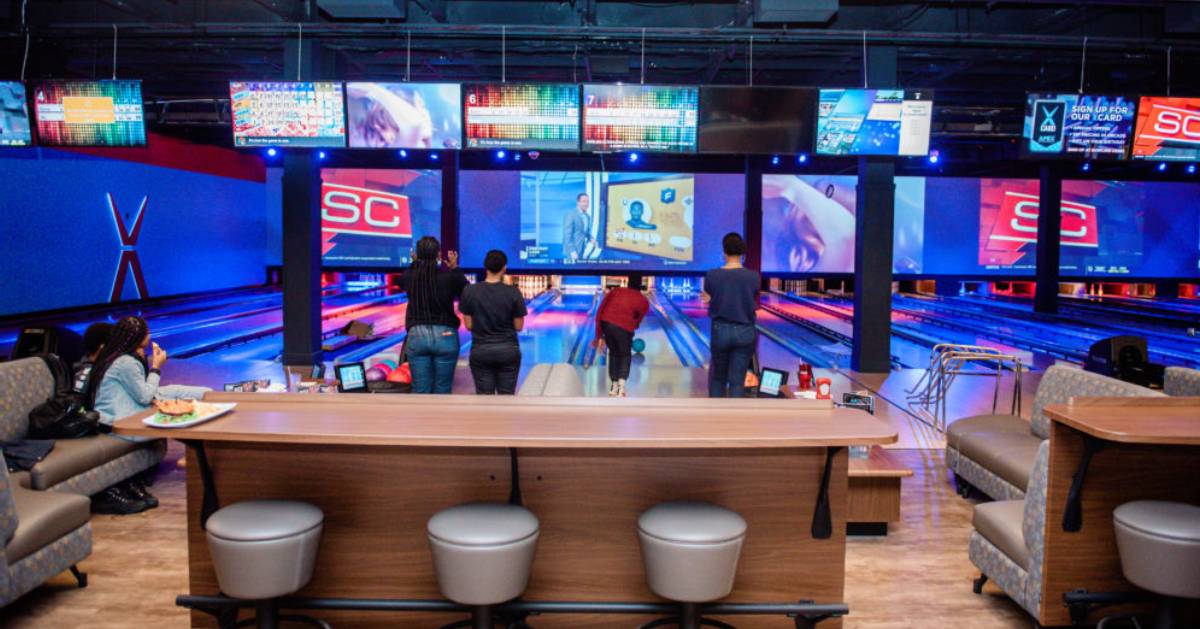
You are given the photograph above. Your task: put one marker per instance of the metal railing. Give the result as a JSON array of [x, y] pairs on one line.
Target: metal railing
[[947, 361]]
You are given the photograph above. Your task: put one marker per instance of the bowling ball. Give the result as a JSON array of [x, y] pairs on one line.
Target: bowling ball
[[375, 374], [384, 367], [389, 362], [639, 345], [401, 374]]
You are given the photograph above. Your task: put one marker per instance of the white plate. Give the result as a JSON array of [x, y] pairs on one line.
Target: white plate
[[220, 410]]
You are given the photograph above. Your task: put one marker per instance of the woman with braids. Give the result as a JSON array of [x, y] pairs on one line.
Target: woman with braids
[[432, 346], [124, 382]]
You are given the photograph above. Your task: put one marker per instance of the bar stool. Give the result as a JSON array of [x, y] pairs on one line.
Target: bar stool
[[1159, 544], [482, 555], [690, 551], [263, 550]]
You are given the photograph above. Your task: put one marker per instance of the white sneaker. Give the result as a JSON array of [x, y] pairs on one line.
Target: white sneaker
[[620, 388], [612, 389]]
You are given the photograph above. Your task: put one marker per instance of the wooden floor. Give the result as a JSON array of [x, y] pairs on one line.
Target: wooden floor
[[918, 576]]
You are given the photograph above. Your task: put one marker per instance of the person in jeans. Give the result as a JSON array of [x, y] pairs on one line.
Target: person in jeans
[[731, 293], [494, 312], [619, 315], [432, 345]]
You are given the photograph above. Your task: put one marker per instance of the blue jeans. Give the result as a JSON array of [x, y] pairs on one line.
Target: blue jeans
[[732, 348], [432, 356]]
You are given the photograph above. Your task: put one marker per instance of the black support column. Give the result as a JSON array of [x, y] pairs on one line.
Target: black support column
[[874, 226], [302, 221], [301, 259], [1045, 297]]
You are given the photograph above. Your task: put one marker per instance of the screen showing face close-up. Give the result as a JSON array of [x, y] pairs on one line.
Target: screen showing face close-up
[[599, 220], [404, 115]]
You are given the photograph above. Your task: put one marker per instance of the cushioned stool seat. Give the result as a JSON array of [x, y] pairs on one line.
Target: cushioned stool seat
[[691, 550], [1159, 543], [483, 552], [263, 549]]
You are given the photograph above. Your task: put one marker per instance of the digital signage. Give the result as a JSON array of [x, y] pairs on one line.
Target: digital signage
[[1086, 126], [404, 115], [1168, 129], [640, 117], [14, 115], [89, 113], [749, 120], [521, 116], [874, 122], [373, 217], [288, 113]]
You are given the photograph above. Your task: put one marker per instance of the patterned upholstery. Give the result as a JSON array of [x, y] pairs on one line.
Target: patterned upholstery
[[1061, 383], [1023, 587], [1182, 381], [24, 384], [8, 508], [982, 478], [1058, 385], [115, 471], [33, 570]]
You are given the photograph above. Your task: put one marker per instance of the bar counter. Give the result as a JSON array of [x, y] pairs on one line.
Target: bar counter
[[380, 465]]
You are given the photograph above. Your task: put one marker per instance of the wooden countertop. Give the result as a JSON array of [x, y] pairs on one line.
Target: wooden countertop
[[529, 422], [1151, 421]]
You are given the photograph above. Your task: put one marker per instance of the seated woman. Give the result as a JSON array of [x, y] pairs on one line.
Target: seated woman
[[124, 382]]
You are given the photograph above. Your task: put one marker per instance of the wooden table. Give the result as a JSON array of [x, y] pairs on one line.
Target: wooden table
[[380, 466], [1105, 452]]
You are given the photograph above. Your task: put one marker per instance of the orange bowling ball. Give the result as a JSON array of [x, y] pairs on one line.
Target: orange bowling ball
[[401, 374]]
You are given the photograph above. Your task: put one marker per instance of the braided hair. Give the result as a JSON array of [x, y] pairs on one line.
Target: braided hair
[[124, 340], [422, 289]]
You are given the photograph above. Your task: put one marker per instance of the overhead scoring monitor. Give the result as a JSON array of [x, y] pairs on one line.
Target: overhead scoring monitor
[[1168, 129], [521, 116], [89, 113], [640, 117], [14, 115], [288, 113]]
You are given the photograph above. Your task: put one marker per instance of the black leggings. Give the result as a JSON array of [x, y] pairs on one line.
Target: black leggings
[[620, 350], [494, 367]]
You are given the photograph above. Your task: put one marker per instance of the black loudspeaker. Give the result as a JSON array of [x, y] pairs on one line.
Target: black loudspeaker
[[1125, 358], [64, 342]]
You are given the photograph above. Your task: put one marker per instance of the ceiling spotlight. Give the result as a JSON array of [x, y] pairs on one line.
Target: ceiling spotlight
[[634, 157], [802, 158], [272, 152], [1162, 167], [1191, 169], [1086, 167], [403, 153], [501, 154], [935, 157], [774, 160], [322, 155], [434, 156]]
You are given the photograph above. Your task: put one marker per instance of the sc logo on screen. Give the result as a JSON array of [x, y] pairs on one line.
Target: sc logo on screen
[[1178, 123], [348, 209]]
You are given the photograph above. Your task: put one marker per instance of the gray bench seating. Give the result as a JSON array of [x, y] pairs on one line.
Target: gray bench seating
[[1182, 382], [79, 466], [995, 453]]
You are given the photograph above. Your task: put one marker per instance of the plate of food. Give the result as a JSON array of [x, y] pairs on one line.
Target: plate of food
[[184, 413]]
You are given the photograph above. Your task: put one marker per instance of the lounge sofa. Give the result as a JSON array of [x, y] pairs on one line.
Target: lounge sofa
[[995, 453], [42, 533], [1181, 381], [1008, 543], [78, 466]]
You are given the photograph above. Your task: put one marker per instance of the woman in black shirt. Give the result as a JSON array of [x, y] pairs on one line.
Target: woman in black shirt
[[432, 346], [494, 312]]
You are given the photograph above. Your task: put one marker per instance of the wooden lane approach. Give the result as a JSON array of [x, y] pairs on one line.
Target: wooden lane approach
[[381, 466]]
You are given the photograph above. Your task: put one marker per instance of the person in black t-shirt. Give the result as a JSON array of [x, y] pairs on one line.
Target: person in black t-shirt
[[731, 293], [494, 312], [432, 345]]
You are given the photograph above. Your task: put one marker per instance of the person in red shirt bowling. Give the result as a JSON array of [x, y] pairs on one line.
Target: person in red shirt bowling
[[619, 315]]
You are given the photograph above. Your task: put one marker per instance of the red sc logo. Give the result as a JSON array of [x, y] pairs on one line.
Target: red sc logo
[[353, 210]]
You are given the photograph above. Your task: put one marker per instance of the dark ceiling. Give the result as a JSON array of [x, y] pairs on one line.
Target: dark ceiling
[[980, 56]]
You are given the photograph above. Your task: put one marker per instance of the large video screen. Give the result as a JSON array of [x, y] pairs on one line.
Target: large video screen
[[1078, 125], [808, 223], [14, 115], [89, 113], [1168, 129], [599, 220], [747, 120], [373, 217], [287, 113], [874, 122], [404, 115], [640, 117], [522, 116]]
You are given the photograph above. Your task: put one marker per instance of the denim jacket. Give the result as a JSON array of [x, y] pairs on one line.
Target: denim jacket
[[127, 390]]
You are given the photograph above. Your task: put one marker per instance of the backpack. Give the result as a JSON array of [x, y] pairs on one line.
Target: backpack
[[64, 415]]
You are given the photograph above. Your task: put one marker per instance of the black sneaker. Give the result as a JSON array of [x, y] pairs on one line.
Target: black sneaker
[[134, 488], [113, 501]]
